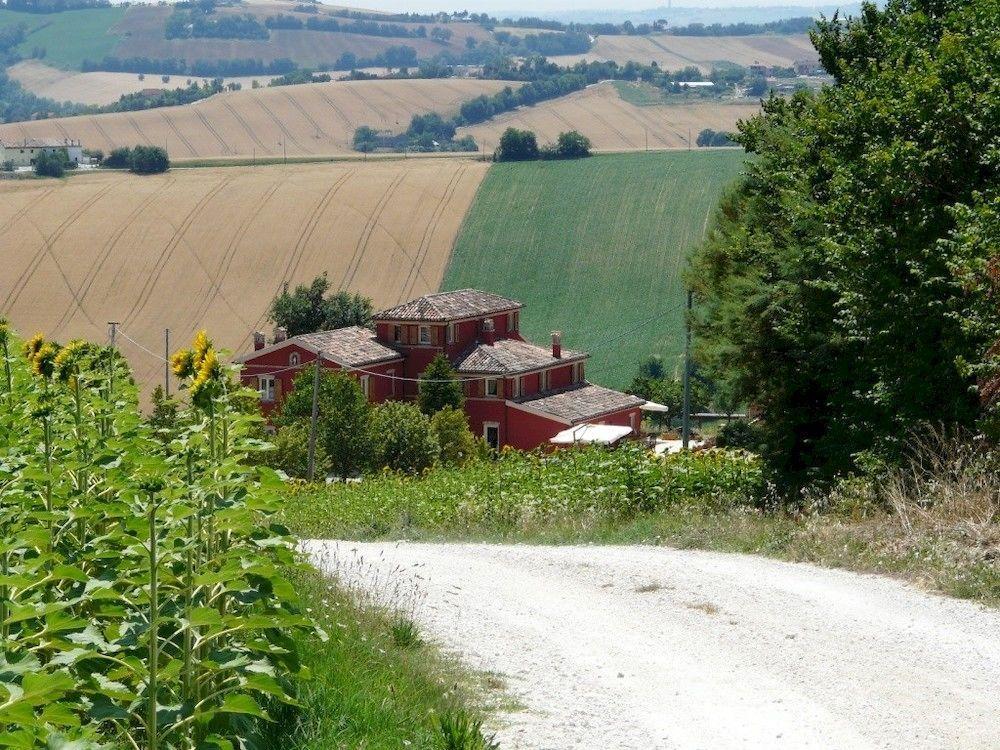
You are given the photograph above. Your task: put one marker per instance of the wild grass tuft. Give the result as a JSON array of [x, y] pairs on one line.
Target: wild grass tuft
[[461, 731]]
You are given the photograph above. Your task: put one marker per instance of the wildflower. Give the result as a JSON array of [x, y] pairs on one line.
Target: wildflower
[[5, 332]]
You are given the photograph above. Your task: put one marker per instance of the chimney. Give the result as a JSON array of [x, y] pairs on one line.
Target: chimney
[[489, 332], [259, 342], [557, 344], [280, 334]]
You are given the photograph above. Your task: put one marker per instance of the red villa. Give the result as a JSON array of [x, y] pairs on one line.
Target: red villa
[[517, 393]]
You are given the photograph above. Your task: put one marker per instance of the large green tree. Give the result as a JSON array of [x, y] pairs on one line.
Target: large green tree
[[440, 387], [343, 424], [308, 308], [841, 286]]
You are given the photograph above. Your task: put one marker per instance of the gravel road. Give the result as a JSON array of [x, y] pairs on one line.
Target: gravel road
[[614, 648]]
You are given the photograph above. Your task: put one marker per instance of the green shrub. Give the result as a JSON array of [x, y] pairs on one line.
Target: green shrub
[[50, 164], [291, 451], [457, 444], [517, 145], [402, 438], [149, 160], [119, 158]]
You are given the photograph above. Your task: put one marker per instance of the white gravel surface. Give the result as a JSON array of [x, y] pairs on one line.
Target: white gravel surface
[[613, 648]]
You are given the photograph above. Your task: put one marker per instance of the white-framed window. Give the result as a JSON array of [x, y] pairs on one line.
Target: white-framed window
[[294, 359], [397, 333], [265, 386], [425, 334], [491, 434], [543, 379], [451, 333], [511, 322], [365, 385], [577, 372], [491, 387]]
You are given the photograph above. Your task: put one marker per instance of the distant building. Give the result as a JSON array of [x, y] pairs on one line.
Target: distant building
[[695, 84], [516, 393], [25, 153], [759, 70]]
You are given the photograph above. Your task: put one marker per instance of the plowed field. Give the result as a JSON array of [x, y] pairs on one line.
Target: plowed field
[[210, 247], [307, 120], [613, 124]]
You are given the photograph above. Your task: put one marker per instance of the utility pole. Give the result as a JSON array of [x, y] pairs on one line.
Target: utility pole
[[686, 423], [111, 359], [166, 362], [315, 418]]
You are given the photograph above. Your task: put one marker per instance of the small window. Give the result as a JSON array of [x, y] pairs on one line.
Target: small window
[[544, 380], [491, 387], [425, 335], [397, 333], [294, 359], [451, 333], [511, 322], [265, 386], [365, 385]]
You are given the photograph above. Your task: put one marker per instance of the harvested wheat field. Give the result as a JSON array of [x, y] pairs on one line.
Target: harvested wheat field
[[611, 123], [705, 52], [316, 119], [100, 88], [210, 247]]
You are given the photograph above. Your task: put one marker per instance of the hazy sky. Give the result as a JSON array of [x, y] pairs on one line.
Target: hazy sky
[[531, 7]]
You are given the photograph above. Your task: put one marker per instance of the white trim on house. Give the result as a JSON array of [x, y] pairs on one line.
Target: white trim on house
[[486, 429], [267, 388]]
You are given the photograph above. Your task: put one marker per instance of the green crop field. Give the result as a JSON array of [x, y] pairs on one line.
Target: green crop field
[[70, 37], [595, 248]]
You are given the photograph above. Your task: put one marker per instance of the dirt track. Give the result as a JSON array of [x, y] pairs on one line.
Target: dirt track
[[645, 647]]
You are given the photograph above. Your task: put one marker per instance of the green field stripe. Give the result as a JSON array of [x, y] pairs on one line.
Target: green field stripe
[[595, 248]]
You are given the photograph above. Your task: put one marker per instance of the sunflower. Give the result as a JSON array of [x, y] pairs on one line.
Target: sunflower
[[183, 363], [70, 360], [204, 385], [200, 348], [44, 361], [33, 345]]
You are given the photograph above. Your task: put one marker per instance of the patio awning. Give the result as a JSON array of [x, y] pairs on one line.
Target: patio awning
[[591, 434], [653, 406]]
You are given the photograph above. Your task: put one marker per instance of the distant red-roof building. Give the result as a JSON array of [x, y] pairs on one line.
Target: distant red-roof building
[[516, 393]]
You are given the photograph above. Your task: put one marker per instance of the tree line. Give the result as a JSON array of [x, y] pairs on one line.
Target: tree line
[[848, 288]]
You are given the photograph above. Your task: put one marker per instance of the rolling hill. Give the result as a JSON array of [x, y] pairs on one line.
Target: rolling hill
[[595, 248], [613, 124], [305, 120], [705, 52], [211, 247]]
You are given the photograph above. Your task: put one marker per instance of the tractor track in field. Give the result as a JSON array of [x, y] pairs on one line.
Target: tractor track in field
[[180, 136], [46, 249], [298, 106], [281, 127], [95, 269], [362, 245], [168, 250], [229, 255], [211, 129], [417, 264], [243, 123]]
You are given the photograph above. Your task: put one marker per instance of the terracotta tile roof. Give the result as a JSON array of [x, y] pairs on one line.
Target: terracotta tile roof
[[509, 356], [582, 402], [443, 306], [351, 347]]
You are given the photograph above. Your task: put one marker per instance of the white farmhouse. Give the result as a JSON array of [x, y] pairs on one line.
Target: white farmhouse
[[24, 153]]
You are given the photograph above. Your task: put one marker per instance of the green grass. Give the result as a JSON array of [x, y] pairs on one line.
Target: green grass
[[68, 38], [595, 248], [374, 684]]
